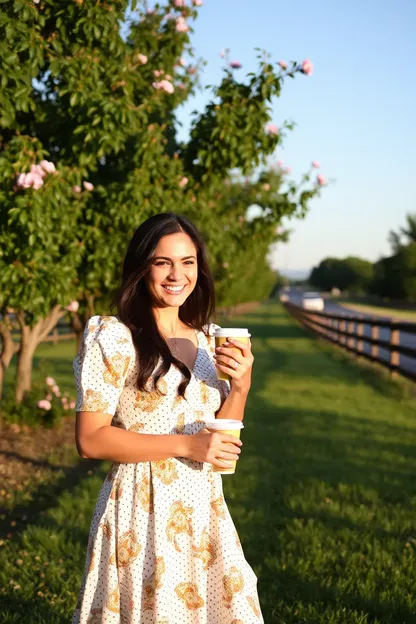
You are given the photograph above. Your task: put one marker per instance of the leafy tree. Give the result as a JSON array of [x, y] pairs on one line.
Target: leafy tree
[[352, 273], [405, 234], [89, 150]]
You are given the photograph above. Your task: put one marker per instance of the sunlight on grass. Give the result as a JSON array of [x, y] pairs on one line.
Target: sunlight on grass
[[403, 315], [324, 497]]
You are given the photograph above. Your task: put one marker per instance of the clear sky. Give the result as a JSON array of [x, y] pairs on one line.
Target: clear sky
[[356, 114]]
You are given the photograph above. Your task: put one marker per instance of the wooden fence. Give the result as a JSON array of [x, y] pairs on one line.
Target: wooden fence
[[361, 335]]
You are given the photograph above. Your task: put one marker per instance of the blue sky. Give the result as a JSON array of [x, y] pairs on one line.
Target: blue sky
[[356, 114]]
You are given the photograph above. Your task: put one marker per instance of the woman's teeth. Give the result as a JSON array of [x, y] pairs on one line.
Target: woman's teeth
[[174, 289]]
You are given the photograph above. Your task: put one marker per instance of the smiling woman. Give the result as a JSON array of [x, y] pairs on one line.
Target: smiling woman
[[162, 544]]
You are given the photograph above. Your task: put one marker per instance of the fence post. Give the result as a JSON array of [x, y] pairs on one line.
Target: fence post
[[342, 338], [360, 334], [350, 338], [374, 336], [394, 354]]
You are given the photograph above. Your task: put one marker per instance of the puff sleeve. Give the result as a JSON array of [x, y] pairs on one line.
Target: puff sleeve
[[102, 364]]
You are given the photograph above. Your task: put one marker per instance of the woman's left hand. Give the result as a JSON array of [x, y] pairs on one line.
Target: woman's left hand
[[237, 363]]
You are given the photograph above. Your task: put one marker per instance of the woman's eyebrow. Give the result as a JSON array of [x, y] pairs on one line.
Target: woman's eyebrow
[[166, 258]]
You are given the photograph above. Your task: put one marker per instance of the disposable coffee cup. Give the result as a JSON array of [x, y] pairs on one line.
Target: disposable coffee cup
[[221, 335], [232, 427]]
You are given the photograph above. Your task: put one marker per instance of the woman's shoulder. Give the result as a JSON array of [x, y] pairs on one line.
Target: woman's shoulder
[[210, 328], [107, 327]]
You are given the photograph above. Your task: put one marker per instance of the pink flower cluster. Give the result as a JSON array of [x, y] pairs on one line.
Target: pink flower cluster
[[34, 179], [88, 186], [164, 85], [73, 306], [142, 58], [235, 65], [272, 129], [306, 67], [183, 182], [181, 25], [54, 389]]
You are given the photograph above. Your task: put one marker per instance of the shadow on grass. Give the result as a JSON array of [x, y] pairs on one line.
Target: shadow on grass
[[17, 610], [44, 497]]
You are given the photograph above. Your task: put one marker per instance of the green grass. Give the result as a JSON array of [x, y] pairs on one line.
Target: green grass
[[404, 315], [324, 497]]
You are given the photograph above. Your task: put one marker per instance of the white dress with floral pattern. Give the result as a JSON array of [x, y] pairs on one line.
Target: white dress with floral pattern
[[162, 546]]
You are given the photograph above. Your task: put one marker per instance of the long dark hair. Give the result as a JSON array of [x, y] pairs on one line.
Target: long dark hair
[[133, 301]]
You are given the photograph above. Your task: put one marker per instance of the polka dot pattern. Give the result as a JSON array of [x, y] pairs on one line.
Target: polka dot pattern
[[162, 547]]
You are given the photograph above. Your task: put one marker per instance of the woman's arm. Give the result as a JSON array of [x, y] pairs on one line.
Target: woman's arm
[[96, 438], [234, 404]]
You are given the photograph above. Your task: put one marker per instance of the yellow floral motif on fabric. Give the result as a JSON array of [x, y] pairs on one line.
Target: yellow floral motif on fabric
[[254, 605], [180, 521], [95, 617], [165, 470], [237, 622], [180, 423], [163, 621], [127, 551], [153, 584], [207, 550], [143, 491], [107, 529], [93, 402], [116, 369], [148, 401], [113, 602], [218, 505], [204, 392], [117, 490], [137, 427], [233, 584], [188, 592], [92, 563]]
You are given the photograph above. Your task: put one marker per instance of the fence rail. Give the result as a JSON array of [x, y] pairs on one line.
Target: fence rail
[[361, 335]]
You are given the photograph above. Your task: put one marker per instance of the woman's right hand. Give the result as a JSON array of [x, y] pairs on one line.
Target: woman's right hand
[[213, 447]]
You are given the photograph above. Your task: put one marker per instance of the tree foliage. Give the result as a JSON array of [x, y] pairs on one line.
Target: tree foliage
[[101, 107]]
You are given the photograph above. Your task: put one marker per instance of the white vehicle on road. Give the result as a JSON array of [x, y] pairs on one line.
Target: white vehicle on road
[[313, 301]]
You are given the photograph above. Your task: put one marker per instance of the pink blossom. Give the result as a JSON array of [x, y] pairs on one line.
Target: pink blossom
[[282, 64], [181, 25], [150, 12], [198, 3], [168, 77], [88, 186], [72, 405], [50, 381], [49, 396], [235, 64], [280, 163], [165, 85], [64, 400], [321, 180], [55, 389], [179, 3], [307, 67], [158, 72], [48, 166], [266, 187], [37, 170], [36, 1], [272, 128], [182, 62], [183, 182], [37, 181], [288, 170], [44, 404], [76, 189], [315, 164], [142, 58], [73, 306], [191, 69], [23, 181], [181, 85]]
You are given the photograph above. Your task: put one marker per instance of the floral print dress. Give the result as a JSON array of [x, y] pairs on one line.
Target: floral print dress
[[162, 546]]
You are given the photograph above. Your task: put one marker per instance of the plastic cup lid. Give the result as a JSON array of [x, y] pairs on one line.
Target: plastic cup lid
[[224, 423], [232, 332]]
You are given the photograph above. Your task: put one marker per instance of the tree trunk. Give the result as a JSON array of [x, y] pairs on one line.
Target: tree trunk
[[78, 325], [30, 338], [9, 348]]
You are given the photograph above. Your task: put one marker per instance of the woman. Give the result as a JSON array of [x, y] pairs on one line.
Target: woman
[[162, 547]]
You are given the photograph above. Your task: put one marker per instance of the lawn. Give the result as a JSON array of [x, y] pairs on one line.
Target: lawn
[[403, 315], [324, 497]]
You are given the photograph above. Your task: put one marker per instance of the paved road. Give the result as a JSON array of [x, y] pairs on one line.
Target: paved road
[[406, 339]]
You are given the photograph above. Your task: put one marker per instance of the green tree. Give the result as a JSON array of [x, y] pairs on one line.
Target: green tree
[[109, 139], [352, 273]]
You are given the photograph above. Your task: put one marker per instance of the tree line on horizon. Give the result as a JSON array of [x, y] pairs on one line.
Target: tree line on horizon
[[391, 277]]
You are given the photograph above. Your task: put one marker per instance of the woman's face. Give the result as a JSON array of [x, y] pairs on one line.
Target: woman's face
[[174, 271]]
